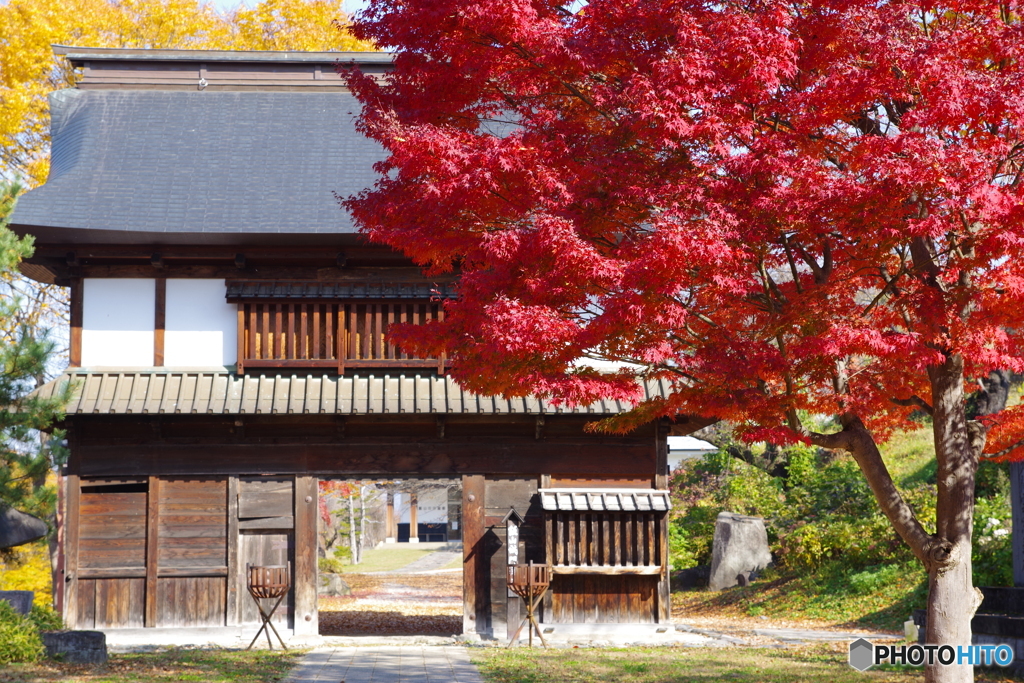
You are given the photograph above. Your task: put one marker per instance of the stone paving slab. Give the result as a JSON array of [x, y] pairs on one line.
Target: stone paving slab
[[387, 664]]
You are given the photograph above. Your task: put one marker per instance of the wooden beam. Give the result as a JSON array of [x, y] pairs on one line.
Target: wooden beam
[[152, 551], [75, 345], [70, 578], [365, 457], [1017, 521], [231, 594], [159, 321], [474, 560], [305, 579]]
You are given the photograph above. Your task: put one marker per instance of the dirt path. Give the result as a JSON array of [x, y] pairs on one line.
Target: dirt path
[[418, 599]]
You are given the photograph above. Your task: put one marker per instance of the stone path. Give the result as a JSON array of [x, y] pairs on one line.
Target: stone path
[[432, 562], [798, 635], [387, 664]]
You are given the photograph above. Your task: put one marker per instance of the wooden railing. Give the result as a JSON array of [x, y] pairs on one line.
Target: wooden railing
[[605, 542], [329, 335]]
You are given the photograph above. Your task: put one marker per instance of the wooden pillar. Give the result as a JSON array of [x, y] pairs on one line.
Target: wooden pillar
[[159, 321], [474, 557], [546, 613], [390, 536], [240, 353], [305, 579], [231, 603], [57, 576], [1017, 510], [152, 551], [74, 497], [661, 455], [414, 536], [76, 314]]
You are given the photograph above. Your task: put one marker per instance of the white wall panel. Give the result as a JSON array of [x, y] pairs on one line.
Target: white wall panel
[[117, 322], [201, 328], [431, 507]]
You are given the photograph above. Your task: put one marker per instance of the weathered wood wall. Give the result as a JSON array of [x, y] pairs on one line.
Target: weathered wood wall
[[171, 551]]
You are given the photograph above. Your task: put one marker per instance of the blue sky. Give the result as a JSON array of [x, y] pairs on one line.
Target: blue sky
[[351, 6]]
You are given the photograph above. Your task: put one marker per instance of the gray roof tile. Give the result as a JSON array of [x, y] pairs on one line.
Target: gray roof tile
[[132, 391], [201, 162]]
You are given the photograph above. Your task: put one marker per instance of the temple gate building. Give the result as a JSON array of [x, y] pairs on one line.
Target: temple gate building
[[228, 348]]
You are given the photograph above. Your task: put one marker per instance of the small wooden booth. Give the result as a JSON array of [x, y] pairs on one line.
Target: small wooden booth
[[229, 348]]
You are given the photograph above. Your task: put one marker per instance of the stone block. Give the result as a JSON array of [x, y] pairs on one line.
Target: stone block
[[693, 577], [18, 528], [76, 647], [21, 601], [739, 550], [332, 585]]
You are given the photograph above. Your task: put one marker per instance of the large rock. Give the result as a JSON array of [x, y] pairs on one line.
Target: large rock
[[21, 601], [333, 585], [739, 552], [76, 647], [18, 528]]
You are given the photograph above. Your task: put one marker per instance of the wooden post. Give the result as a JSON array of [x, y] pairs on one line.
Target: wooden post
[[159, 321], [661, 455], [74, 498], [240, 360], [1017, 510], [664, 586], [152, 550], [414, 536], [546, 614], [474, 561], [389, 519], [305, 579], [57, 575], [76, 312], [231, 603]]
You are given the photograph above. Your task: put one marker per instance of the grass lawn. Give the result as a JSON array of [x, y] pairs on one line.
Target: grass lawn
[[685, 665], [391, 556], [208, 666]]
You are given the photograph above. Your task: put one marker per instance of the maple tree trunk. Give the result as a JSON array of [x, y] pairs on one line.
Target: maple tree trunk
[[952, 597], [946, 554]]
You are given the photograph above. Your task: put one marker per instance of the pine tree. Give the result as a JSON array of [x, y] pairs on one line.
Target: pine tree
[[27, 455]]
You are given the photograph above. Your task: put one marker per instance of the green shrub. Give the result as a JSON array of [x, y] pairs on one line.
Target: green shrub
[[330, 565], [19, 637], [45, 618]]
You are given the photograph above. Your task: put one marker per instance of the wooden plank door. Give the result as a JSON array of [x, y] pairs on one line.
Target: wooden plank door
[[265, 547]]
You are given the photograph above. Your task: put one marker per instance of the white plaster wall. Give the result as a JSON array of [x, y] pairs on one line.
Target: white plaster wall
[[117, 322], [201, 329], [432, 507]]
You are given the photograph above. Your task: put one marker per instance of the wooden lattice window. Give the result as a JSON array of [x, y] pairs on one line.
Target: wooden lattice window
[[329, 335], [605, 542]]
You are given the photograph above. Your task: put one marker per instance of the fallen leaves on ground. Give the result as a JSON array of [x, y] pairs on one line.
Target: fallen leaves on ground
[[407, 604]]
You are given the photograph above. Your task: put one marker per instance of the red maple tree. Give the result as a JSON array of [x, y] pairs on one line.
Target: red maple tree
[[778, 208]]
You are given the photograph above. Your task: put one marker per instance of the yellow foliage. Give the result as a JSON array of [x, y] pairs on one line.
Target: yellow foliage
[[29, 570], [29, 71]]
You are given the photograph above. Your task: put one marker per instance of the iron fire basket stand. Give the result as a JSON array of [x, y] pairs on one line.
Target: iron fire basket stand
[[529, 582], [270, 583]]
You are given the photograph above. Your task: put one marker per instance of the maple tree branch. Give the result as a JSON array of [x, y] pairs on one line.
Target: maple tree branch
[[914, 400], [857, 440]]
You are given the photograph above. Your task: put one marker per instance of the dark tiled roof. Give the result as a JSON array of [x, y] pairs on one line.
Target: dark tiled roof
[[201, 162], [220, 392]]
